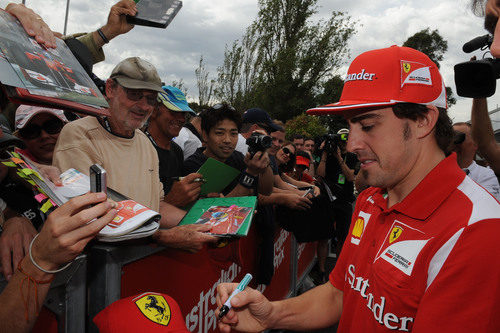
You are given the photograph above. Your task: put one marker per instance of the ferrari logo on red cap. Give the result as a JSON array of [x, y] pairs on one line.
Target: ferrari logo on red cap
[[155, 308], [406, 67], [415, 73]]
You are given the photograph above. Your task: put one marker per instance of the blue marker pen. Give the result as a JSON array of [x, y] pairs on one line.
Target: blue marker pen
[[241, 286]]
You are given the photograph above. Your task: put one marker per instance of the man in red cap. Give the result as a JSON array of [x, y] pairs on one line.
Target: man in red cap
[[423, 238]]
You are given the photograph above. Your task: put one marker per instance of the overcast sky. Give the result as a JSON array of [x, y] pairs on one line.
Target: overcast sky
[[205, 27]]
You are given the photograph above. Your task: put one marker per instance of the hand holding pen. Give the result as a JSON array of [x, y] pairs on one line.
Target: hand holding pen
[[185, 190], [248, 310]]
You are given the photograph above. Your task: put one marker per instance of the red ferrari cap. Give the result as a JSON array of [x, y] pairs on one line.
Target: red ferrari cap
[[385, 77], [147, 312]]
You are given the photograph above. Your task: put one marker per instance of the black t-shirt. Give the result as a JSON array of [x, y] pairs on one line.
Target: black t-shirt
[[194, 162], [171, 164], [22, 200], [339, 185]]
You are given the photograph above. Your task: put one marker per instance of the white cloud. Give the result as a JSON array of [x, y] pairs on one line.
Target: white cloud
[[205, 27]]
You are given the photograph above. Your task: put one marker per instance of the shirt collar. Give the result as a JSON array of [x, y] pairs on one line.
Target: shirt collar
[[428, 195]]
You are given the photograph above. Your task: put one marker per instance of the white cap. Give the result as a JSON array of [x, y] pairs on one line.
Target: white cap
[[25, 112]]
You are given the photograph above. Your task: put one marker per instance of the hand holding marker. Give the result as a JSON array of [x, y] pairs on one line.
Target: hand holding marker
[[241, 286]]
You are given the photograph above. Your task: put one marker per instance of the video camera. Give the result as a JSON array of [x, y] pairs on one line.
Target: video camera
[[477, 78], [258, 142], [332, 141]]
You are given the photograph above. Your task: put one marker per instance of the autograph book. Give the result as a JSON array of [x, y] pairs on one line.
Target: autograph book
[[133, 220], [229, 217]]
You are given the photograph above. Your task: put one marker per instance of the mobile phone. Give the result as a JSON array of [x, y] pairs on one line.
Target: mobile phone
[[97, 179], [309, 191]]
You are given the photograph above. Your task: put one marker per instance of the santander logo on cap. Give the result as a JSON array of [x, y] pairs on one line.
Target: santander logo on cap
[[360, 76]]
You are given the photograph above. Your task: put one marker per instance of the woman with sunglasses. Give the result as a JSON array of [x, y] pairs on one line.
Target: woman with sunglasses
[[39, 129], [285, 157]]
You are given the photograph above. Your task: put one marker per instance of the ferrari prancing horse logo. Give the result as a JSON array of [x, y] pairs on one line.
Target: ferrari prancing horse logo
[[395, 233], [406, 67], [155, 308]]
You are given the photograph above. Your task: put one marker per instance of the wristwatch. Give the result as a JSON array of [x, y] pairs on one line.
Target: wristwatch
[[247, 180]]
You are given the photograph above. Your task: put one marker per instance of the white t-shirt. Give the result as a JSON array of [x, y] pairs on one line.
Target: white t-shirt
[[242, 146], [484, 177], [188, 142]]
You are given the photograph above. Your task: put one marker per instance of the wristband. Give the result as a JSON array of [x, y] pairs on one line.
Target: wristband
[[103, 36], [247, 180], [38, 266]]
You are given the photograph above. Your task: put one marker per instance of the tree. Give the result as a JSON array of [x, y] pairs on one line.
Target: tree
[[303, 124], [434, 46], [284, 58], [180, 85], [205, 86]]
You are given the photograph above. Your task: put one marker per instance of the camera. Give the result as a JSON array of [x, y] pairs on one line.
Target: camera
[[332, 141], [258, 142], [477, 78]]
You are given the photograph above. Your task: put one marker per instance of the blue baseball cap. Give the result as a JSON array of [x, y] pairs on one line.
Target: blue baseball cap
[[174, 99], [260, 116]]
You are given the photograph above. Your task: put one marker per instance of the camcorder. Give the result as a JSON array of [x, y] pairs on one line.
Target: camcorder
[[477, 78], [258, 142], [332, 141]]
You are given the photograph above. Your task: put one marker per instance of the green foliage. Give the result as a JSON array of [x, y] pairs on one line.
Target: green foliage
[[332, 89], [434, 46], [429, 42], [309, 126], [284, 59]]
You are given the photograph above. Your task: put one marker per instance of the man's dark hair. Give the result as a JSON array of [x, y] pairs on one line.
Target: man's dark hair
[[298, 136], [212, 116], [443, 131], [478, 7]]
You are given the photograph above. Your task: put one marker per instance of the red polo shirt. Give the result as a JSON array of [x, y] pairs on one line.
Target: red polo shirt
[[430, 263]]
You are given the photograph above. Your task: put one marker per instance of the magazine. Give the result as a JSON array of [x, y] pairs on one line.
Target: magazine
[[133, 220], [31, 74], [228, 217]]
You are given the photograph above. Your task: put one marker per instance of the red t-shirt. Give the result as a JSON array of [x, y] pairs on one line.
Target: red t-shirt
[[430, 263]]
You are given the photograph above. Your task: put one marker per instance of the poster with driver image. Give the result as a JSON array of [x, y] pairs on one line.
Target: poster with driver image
[[53, 73]]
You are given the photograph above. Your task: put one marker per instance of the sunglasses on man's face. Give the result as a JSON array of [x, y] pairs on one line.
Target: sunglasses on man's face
[[33, 131], [136, 95], [288, 152]]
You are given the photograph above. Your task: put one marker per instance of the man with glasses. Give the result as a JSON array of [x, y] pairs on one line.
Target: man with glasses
[[164, 125], [117, 144]]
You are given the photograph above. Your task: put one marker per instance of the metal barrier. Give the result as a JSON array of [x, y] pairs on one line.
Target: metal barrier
[[65, 300], [110, 272]]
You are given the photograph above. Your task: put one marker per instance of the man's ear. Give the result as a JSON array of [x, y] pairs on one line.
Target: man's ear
[[111, 87], [204, 136], [427, 122]]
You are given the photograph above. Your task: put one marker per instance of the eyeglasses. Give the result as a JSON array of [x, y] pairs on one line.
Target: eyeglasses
[[136, 95], [33, 131], [288, 152]]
